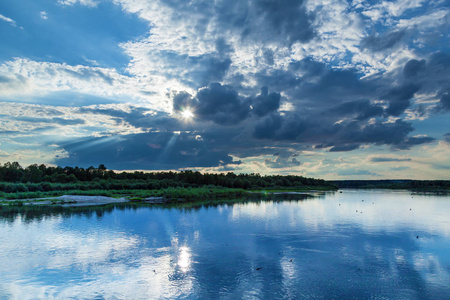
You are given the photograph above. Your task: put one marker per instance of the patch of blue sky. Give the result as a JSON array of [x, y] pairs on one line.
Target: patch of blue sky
[[435, 126], [68, 34]]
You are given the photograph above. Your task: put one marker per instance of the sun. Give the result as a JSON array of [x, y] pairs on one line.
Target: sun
[[187, 114]]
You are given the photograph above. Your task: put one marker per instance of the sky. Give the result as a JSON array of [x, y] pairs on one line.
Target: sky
[[319, 88]]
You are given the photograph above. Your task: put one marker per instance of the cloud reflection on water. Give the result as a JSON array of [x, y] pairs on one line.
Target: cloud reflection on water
[[312, 248]]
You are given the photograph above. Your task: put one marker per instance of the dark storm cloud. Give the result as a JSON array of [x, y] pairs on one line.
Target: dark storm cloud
[[332, 109], [316, 87], [285, 22], [388, 159], [267, 128], [377, 43], [414, 67], [155, 150], [265, 103], [313, 88], [218, 103], [340, 137], [399, 98], [361, 109], [430, 75], [223, 105], [414, 141], [444, 103]]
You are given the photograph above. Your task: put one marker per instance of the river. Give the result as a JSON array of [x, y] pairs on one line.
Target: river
[[358, 244]]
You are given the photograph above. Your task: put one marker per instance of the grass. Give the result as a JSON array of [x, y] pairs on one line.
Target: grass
[[137, 195]]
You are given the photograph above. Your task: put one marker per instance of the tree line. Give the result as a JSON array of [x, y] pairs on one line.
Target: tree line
[[406, 184], [45, 178]]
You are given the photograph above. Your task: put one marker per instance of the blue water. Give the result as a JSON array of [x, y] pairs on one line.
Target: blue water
[[397, 246]]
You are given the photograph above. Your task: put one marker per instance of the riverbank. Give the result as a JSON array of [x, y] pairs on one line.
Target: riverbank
[[167, 196]]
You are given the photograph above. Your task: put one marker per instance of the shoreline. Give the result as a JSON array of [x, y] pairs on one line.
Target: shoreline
[[93, 200], [80, 200]]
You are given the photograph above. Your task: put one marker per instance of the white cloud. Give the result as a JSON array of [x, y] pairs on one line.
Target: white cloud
[[9, 20], [65, 121], [25, 78], [90, 3], [428, 21], [386, 11], [44, 15]]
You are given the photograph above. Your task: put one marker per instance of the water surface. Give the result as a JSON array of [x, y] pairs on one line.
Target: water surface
[[353, 245]]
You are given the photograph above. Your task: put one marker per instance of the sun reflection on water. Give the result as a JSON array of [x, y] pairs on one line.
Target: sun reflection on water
[[184, 259]]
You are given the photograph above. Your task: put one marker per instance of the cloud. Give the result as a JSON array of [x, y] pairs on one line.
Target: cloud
[[447, 137], [265, 103], [287, 21], [258, 76], [23, 78], [218, 103], [399, 98], [90, 3], [360, 109], [9, 20], [444, 102], [399, 168], [383, 42], [152, 151], [357, 172], [267, 128], [413, 67], [282, 162], [387, 10], [59, 121], [44, 15], [341, 148], [413, 141], [341, 137], [388, 159]]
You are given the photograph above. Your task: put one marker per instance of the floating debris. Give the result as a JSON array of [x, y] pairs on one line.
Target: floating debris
[[257, 269]]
